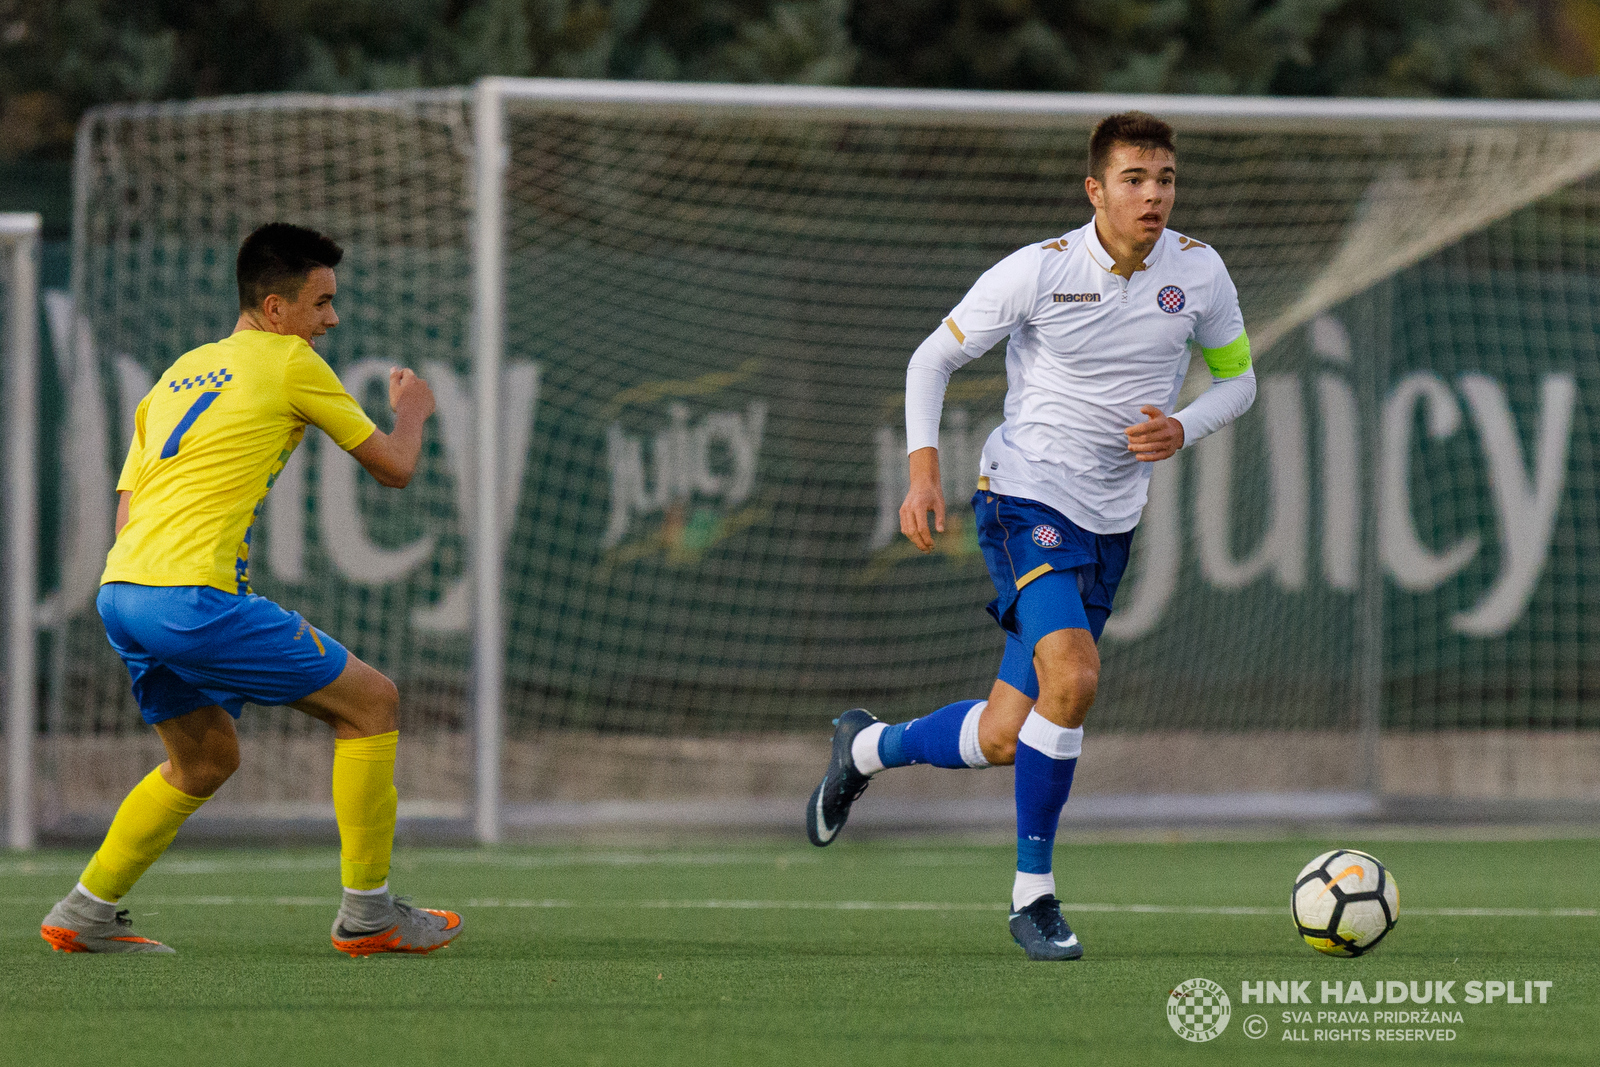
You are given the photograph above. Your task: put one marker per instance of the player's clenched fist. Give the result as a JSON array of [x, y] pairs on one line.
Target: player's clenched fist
[[408, 389], [1158, 438], [925, 496]]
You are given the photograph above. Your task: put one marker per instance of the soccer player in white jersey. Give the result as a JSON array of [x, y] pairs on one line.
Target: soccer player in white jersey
[[1099, 324]]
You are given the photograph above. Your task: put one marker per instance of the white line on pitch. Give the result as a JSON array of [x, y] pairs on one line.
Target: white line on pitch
[[1511, 913], [417, 861], [835, 905], [1126, 909]]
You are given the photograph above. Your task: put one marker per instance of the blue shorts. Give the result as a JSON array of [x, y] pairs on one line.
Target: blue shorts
[[1051, 575], [191, 646]]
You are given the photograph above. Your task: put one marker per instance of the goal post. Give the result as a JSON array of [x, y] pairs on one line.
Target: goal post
[[668, 326], [19, 325], [488, 318]]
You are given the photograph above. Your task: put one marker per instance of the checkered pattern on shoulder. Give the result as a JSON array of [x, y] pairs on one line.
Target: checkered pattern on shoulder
[[214, 379]]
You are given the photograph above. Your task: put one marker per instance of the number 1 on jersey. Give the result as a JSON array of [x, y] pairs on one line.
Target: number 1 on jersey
[[196, 409]]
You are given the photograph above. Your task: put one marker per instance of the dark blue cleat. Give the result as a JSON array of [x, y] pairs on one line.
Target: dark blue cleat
[[842, 785], [1043, 933]]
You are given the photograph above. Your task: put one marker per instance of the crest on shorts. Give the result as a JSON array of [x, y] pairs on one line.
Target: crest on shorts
[[1046, 536], [1171, 300]]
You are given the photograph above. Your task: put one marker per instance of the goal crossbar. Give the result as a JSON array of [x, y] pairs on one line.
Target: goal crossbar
[[1199, 112]]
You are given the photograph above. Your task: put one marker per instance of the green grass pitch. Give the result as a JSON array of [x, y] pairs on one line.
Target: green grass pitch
[[866, 952]]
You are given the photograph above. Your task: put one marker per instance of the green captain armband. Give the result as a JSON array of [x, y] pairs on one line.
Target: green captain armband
[[1231, 360]]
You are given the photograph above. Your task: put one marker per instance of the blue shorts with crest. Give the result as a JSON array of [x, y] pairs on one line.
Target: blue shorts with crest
[[1051, 574], [191, 646]]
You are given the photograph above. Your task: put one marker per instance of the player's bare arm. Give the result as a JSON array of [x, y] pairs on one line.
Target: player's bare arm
[[391, 458], [926, 495]]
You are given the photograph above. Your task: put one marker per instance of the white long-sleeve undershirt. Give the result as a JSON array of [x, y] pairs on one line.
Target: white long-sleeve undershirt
[[1224, 401], [927, 377], [940, 355]]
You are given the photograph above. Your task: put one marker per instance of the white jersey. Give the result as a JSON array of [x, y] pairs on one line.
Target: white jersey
[[1087, 350]]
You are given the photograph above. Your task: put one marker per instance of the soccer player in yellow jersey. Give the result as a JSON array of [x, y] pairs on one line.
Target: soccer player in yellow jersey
[[208, 443]]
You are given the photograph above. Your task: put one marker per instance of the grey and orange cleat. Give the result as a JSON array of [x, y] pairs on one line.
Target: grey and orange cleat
[[366, 926], [80, 923], [842, 785]]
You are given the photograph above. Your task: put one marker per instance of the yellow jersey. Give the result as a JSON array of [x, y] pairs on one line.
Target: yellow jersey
[[208, 442]]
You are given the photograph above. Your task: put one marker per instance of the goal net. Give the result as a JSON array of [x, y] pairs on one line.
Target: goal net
[[165, 195], [709, 297]]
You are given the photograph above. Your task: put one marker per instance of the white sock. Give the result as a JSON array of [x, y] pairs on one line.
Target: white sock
[[864, 749], [1057, 742], [1030, 887], [85, 891], [384, 888], [971, 751]]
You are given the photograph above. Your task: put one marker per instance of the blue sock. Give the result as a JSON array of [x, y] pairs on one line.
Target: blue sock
[[935, 738], [1043, 785]]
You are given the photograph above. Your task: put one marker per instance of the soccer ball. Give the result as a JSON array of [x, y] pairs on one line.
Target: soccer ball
[[1344, 902]]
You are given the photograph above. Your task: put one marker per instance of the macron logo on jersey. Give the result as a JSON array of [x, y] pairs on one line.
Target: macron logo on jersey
[[1076, 298]]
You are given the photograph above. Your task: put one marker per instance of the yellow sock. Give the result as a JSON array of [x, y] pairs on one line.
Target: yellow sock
[[145, 825], [364, 803]]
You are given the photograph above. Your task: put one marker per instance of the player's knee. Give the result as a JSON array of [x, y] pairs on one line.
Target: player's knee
[[385, 706], [204, 773], [1071, 688], [999, 751], [1083, 683], [998, 741], [225, 763], [369, 707]]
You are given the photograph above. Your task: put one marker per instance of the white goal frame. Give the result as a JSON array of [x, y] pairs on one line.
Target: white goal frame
[[491, 153], [486, 105], [19, 260]]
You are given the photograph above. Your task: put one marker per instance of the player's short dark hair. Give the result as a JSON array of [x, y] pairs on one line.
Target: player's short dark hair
[[1136, 128], [277, 258]]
